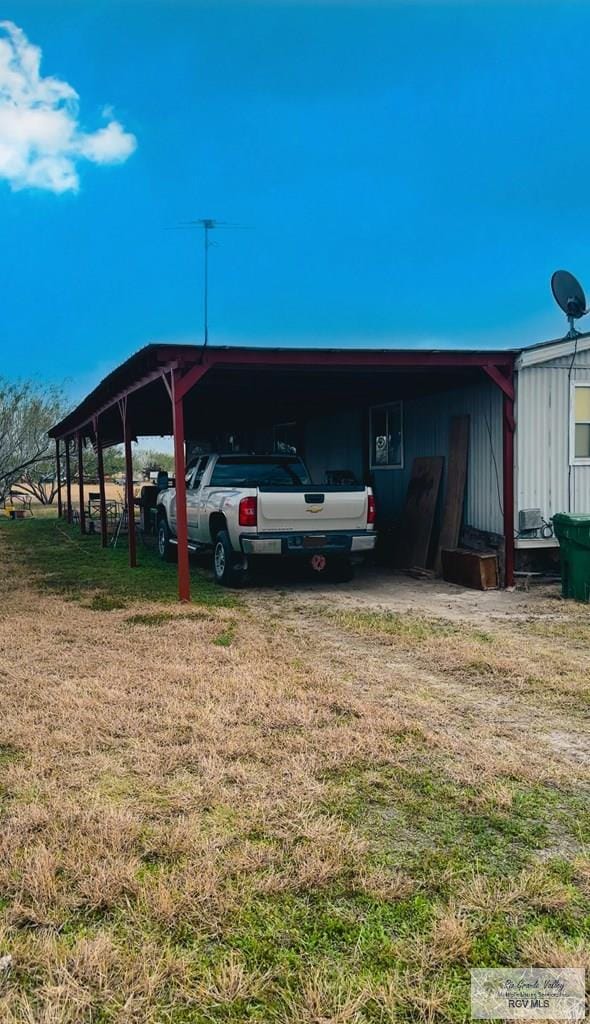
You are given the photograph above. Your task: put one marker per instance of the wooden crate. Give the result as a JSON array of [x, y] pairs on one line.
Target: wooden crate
[[475, 569]]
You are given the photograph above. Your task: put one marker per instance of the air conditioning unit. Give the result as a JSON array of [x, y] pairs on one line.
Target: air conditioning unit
[[530, 520]]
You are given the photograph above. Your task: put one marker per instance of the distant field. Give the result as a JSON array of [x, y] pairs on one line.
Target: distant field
[[261, 808], [113, 491]]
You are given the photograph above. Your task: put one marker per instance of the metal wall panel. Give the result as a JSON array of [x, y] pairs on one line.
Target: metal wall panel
[[427, 423], [544, 478], [335, 442]]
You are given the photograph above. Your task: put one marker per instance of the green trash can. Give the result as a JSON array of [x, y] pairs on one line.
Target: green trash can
[[573, 534]]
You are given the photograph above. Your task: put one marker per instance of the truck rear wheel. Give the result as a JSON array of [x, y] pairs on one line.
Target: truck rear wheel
[[168, 552], [225, 567]]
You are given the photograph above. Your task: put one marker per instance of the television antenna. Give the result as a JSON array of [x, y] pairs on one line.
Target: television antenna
[[569, 296], [207, 224]]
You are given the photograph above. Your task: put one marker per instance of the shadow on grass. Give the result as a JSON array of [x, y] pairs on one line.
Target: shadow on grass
[[59, 559]]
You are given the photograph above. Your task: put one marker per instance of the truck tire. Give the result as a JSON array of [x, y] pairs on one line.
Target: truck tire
[[168, 552], [225, 569]]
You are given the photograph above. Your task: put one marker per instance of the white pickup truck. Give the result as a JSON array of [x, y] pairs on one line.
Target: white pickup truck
[[247, 506]]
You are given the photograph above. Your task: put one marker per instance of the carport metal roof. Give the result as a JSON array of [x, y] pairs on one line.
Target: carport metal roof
[[264, 382]]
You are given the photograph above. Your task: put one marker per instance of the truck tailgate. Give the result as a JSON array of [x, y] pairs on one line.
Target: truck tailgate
[[311, 509]]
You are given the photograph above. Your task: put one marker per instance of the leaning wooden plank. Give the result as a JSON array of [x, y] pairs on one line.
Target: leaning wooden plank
[[418, 517], [455, 489]]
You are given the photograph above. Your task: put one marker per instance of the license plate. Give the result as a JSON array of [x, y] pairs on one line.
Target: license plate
[[313, 542]]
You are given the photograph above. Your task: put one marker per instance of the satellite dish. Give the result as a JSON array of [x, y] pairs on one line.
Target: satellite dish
[[569, 295]]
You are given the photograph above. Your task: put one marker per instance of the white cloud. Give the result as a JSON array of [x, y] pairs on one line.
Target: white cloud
[[41, 141], [109, 145]]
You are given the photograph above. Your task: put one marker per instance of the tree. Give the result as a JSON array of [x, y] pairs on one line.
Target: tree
[[27, 411], [113, 461], [149, 461], [40, 481]]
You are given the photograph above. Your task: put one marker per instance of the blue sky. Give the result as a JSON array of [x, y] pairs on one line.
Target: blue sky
[[406, 173]]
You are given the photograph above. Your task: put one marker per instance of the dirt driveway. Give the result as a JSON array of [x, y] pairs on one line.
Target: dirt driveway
[[494, 664], [382, 589], [300, 804]]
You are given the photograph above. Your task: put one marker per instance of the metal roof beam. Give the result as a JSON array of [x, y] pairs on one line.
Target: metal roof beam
[[141, 382], [355, 359], [504, 383]]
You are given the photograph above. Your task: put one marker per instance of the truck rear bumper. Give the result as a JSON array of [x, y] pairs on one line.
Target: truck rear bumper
[[301, 544]]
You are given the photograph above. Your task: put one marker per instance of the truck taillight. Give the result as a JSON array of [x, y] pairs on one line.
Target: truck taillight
[[371, 509], [248, 514]]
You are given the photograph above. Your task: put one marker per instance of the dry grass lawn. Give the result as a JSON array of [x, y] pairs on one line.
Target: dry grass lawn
[[258, 811]]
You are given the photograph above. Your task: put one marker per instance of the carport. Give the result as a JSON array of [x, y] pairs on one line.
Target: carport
[[193, 392]]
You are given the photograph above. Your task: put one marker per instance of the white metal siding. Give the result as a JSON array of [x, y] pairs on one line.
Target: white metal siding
[[543, 476]]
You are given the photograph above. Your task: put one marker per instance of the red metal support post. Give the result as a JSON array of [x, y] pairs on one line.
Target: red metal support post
[[508, 427], [130, 496], [68, 481], [503, 377], [104, 538], [184, 584], [58, 468], [81, 483]]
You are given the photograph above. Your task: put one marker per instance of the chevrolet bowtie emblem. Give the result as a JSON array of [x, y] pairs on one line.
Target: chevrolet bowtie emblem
[[314, 508]]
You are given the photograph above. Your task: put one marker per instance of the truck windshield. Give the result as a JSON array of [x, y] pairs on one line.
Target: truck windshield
[[259, 471]]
